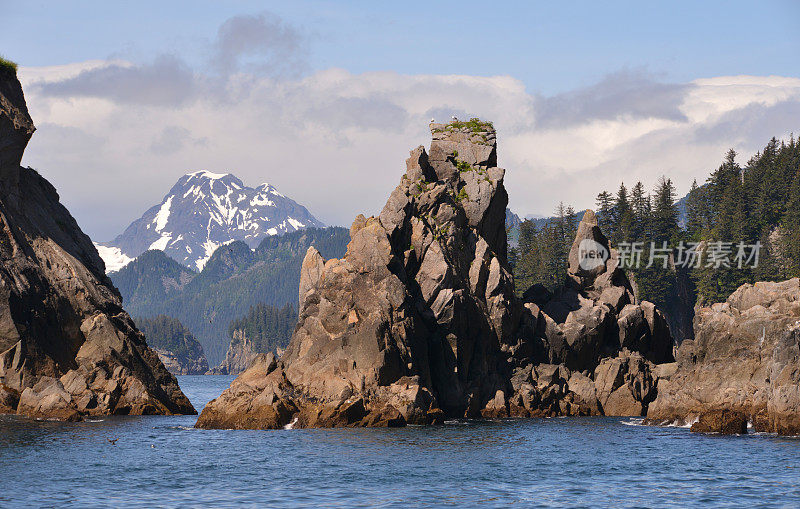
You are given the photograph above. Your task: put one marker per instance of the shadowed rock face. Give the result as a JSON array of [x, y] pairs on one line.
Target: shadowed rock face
[[419, 320], [595, 314], [67, 348], [745, 359]]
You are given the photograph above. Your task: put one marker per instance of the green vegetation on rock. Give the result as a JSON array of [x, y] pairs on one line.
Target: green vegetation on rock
[[8, 64]]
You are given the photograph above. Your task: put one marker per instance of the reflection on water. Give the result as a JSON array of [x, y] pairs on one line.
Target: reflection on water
[[146, 461]]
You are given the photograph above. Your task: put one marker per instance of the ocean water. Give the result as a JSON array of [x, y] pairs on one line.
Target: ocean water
[[576, 462]]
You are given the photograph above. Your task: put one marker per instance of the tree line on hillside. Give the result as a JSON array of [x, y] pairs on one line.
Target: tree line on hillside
[[268, 328], [756, 206], [167, 333], [234, 279]]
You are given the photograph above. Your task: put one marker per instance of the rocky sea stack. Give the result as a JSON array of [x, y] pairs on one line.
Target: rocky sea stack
[[419, 322], [67, 348]]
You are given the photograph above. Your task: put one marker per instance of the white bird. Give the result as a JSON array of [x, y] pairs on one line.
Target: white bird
[[433, 121], [454, 118]]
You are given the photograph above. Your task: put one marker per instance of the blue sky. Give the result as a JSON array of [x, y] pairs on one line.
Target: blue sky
[[550, 46], [325, 99]]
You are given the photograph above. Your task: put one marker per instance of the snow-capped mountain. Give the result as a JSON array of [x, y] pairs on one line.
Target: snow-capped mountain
[[203, 211]]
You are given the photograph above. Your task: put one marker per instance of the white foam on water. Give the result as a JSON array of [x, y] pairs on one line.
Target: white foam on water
[[291, 424], [635, 421]]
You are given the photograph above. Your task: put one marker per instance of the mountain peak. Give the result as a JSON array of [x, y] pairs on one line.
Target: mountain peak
[[203, 211], [208, 175]]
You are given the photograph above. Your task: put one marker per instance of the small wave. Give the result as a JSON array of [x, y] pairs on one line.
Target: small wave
[[291, 424], [639, 421], [94, 420]]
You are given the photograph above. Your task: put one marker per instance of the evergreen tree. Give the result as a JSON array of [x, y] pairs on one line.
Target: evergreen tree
[[623, 217], [665, 213], [656, 282], [605, 212], [790, 230], [640, 206], [694, 213]]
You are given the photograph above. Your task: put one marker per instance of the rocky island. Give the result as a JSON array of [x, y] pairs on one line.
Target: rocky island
[[419, 321], [67, 348]]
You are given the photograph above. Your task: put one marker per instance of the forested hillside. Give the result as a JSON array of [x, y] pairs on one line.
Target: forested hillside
[[234, 279], [166, 334], [268, 328], [727, 218]]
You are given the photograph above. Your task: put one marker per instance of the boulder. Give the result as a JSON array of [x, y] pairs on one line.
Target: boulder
[[584, 388], [589, 252], [625, 385], [726, 422]]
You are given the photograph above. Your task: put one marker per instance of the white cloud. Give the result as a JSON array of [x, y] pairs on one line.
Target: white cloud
[[336, 142]]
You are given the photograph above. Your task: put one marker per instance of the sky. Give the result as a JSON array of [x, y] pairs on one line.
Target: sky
[[324, 100]]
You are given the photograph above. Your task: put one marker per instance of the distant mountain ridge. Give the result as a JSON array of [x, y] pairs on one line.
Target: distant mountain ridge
[[234, 279], [202, 212]]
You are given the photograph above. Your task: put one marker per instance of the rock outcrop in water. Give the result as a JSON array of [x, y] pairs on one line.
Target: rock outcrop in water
[[744, 361], [67, 348], [419, 320]]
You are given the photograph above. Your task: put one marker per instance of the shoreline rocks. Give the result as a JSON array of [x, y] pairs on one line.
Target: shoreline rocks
[[67, 348], [744, 360]]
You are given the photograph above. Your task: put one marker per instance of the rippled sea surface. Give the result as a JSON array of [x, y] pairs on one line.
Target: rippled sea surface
[[163, 461]]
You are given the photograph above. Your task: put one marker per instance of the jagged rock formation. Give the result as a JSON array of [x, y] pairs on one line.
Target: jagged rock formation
[[595, 314], [67, 348], [745, 359], [419, 320]]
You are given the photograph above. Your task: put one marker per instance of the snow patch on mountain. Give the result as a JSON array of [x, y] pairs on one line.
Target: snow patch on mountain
[[202, 212], [161, 243], [113, 257], [163, 215]]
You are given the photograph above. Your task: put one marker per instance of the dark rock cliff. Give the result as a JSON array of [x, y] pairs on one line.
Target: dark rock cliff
[[67, 348]]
